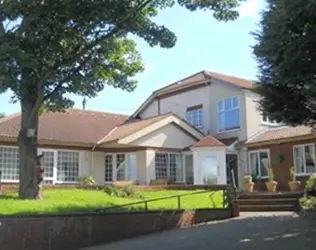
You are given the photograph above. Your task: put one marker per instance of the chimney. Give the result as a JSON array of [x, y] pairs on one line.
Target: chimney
[[84, 102]]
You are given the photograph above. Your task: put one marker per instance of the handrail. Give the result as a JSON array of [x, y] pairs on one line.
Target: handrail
[[158, 199]]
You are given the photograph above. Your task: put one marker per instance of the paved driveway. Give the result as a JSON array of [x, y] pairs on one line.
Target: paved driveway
[[265, 231]]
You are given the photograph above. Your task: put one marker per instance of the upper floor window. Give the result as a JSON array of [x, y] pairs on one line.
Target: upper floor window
[[228, 114], [266, 120], [195, 116]]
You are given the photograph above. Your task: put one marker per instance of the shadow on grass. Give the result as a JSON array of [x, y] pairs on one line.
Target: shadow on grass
[[8, 197]]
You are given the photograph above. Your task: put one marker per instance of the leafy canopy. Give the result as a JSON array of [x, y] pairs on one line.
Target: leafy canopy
[[287, 57], [51, 48]]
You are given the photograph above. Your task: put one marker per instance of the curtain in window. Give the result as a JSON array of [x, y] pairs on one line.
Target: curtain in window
[[299, 160], [254, 164], [120, 167], [264, 163], [310, 158]]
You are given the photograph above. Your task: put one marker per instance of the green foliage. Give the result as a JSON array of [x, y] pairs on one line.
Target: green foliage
[[87, 180], [270, 174], [287, 61], [248, 179], [54, 48], [307, 202], [124, 192], [254, 176], [310, 187], [292, 174]]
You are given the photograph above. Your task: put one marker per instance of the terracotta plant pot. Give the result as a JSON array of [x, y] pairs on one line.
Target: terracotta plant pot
[[271, 186], [294, 185], [248, 187]]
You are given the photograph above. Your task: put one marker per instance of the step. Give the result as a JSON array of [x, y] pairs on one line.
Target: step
[[268, 195], [281, 201], [267, 208]]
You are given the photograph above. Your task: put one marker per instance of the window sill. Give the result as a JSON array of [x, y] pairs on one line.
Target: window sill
[[262, 177], [271, 124], [228, 131], [304, 174]]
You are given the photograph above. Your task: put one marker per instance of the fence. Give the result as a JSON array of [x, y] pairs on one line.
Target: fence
[[228, 198]]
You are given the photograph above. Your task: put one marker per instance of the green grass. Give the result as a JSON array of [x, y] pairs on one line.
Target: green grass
[[79, 200]]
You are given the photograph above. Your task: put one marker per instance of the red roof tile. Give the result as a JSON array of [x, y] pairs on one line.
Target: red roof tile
[[74, 125], [208, 141], [280, 133]]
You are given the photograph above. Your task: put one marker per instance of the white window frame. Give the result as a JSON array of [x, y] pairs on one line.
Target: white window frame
[[114, 168], [200, 126], [266, 150], [223, 111], [294, 162], [55, 151], [9, 181], [269, 122], [168, 167]]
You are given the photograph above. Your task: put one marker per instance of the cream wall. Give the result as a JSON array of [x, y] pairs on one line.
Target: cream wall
[[198, 156], [169, 136], [208, 96]]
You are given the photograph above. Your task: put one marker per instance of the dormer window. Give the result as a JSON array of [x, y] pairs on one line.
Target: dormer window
[[195, 116]]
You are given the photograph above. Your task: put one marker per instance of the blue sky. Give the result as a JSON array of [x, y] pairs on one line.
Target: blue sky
[[203, 44]]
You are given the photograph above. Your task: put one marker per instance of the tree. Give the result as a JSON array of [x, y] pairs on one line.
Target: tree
[[287, 61], [52, 47]]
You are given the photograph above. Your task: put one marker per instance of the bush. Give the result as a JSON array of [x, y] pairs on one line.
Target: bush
[[247, 179], [292, 174], [270, 174], [111, 190], [310, 187], [87, 180], [126, 192]]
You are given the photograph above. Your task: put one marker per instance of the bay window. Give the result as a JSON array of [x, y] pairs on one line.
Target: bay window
[[259, 162], [9, 163], [228, 111], [304, 159]]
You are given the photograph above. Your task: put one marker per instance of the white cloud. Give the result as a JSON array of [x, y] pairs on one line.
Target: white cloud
[[149, 67], [190, 52], [251, 8]]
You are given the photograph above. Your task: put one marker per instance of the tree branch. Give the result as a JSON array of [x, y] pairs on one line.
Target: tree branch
[[2, 30]]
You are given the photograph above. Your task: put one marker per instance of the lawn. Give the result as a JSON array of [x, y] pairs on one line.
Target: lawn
[[80, 200]]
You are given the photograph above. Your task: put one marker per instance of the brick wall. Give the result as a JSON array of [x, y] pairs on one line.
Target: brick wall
[[75, 231], [282, 169]]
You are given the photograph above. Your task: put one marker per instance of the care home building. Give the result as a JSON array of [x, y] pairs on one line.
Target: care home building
[[198, 130], [109, 147]]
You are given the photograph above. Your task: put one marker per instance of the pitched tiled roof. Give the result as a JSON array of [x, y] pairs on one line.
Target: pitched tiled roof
[[131, 127], [280, 133], [74, 125], [208, 141], [200, 78]]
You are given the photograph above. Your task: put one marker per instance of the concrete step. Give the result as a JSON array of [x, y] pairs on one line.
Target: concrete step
[[267, 208], [282, 201], [269, 195]]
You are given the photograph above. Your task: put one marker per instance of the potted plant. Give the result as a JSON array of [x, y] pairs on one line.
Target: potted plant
[[293, 183], [271, 184], [248, 184]]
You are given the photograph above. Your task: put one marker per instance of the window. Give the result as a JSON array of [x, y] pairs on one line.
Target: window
[[49, 165], [9, 163], [265, 120], [304, 159], [108, 168], [67, 166], [169, 166], [123, 166], [120, 167], [195, 117], [259, 162], [228, 114]]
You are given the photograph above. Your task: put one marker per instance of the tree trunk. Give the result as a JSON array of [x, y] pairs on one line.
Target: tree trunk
[[31, 173]]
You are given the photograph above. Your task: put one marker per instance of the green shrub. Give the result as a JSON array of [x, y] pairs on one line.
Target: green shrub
[[247, 179], [270, 174], [307, 202], [111, 190], [125, 192], [310, 187], [292, 174], [87, 180], [128, 191]]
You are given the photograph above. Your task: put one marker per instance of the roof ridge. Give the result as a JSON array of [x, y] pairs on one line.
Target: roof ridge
[[176, 82], [97, 111], [228, 75], [107, 135], [148, 118], [9, 117]]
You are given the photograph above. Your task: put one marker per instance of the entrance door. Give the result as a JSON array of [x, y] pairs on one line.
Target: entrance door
[[188, 167], [210, 170], [232, 169]]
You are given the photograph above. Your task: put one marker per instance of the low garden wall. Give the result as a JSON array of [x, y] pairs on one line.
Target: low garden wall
[[87, 229]]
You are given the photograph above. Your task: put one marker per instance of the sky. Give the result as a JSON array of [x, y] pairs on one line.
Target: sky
[[203, 43]]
